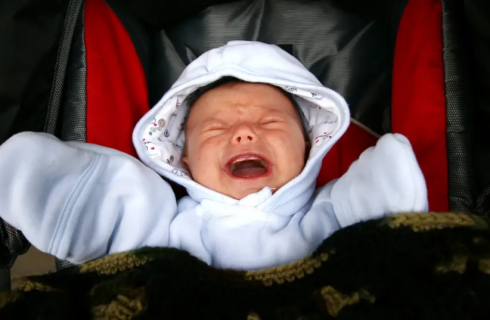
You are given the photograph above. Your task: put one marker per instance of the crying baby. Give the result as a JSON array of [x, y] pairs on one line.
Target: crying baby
[[244, 129]]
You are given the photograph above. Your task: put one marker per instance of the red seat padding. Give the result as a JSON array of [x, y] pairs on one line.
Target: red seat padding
[[117, 92], [419, 102]]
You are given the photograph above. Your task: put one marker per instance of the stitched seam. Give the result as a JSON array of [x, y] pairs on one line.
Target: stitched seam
[[69, 204]]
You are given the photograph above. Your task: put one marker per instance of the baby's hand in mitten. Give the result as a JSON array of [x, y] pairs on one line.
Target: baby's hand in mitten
[[386, 179]]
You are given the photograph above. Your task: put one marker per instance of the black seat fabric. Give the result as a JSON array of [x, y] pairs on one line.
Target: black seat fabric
[[348, 52]]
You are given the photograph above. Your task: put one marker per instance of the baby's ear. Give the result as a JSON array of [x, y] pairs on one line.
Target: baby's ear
[[185, 160], [307, 145], [307, 149]]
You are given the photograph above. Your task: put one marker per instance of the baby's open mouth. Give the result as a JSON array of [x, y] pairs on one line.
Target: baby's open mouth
[[248, 166]]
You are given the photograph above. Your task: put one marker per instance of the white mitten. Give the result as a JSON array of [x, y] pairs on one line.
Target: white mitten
[[385, 180]]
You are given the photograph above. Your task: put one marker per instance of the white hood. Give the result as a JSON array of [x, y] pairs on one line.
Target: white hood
[[159, 135]]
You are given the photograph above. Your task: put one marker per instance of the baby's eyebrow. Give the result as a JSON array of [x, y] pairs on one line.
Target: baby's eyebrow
[[214, 119]]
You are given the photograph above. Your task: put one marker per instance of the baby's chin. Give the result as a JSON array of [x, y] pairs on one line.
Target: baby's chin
[[240, 194], [237, 188], [241, 191]]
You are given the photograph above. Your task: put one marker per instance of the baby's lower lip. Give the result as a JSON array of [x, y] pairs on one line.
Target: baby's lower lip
[[266, 174]]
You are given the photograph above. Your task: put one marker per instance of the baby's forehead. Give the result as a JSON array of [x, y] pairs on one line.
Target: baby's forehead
[[255, 97]]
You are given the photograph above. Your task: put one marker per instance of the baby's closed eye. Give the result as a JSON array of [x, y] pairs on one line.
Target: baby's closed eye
[[215, 126], [270, 121]]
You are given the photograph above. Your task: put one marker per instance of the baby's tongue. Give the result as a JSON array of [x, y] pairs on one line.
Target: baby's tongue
[[248, 169]]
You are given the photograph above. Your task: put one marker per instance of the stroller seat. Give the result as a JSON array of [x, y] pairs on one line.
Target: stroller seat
[[402, 66]]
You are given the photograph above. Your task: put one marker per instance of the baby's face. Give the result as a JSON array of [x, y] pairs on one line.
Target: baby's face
[[242, 137]]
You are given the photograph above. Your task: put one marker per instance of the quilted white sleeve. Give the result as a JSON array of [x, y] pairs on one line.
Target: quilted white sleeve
[[79, 201]]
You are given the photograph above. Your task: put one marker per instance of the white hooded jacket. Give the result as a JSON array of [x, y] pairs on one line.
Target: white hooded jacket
[[80, 201]]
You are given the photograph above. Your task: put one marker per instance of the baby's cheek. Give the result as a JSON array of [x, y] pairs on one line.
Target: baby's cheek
[[206, 158], [292, 144], [200, 149], [294, 157], [209, 150]]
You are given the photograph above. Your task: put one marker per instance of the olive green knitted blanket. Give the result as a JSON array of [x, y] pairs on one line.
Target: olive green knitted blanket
[[411, 266]]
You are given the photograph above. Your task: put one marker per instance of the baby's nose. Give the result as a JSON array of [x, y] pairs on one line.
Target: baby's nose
[[244, 138], [244, 134]]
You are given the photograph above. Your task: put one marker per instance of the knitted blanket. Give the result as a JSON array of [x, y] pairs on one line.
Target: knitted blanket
[[410, 266]]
